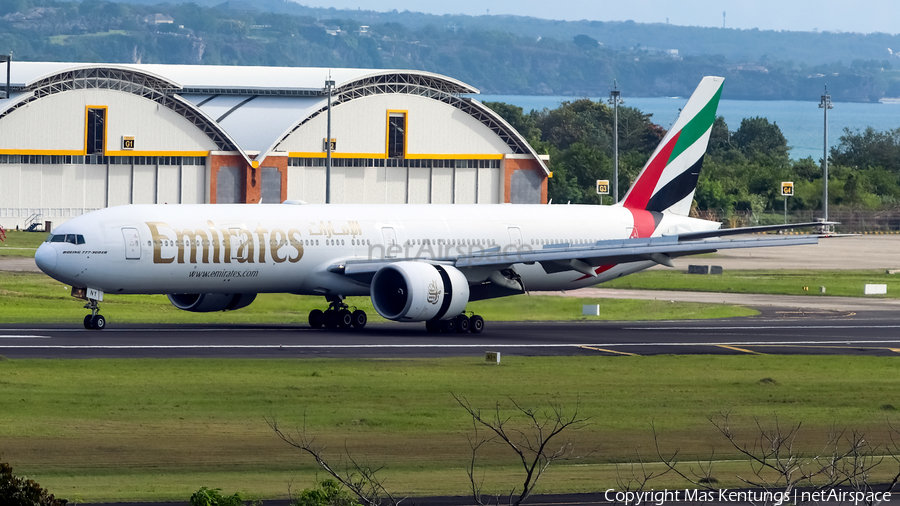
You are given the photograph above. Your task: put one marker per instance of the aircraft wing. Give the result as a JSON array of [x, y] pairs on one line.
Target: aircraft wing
[[564, 257], [658, 249]]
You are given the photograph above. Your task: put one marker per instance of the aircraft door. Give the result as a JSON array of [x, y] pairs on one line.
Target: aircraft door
[[132, 244], [515, 236], [390, 242]]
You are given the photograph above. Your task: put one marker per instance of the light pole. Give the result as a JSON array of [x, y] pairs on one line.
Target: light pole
[[8, 60], [615, 100], [329, 84], [825, 104]]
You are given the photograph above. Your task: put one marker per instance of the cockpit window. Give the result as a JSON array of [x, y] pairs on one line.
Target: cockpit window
[[69, 238]]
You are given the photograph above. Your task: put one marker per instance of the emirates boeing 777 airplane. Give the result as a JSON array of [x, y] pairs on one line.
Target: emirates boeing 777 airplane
[[416, 262]]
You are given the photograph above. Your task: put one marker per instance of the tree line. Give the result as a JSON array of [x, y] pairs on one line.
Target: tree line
[[742, 171], [492, 54]]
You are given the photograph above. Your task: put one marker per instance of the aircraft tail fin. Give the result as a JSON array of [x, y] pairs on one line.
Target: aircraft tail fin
[[669, 179]]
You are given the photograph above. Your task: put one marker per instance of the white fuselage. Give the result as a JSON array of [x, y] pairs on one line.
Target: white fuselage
[[245, 248]]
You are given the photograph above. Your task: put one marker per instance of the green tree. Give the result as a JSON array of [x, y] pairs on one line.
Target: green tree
[[719, 138], [869, 148], [584, 165], [582, 121], [586, 42], [756, 136], [15, 491], [525, 124]]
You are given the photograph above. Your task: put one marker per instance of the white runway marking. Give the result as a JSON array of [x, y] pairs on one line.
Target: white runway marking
[[23, 337], [303, 328], [771, 327], [108, 330], [479, 345]]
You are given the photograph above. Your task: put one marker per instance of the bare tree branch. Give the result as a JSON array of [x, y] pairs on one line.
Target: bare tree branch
[[535, 447], [702, 479], [360, 478]]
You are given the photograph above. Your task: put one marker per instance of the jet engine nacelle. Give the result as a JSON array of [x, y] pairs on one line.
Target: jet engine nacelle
[[208, 302], [419, 291]]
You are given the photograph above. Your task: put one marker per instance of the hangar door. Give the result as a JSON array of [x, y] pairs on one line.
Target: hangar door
[[229, 186], [271, 185]]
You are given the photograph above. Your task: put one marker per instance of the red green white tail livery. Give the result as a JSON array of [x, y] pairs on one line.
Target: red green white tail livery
[[669, 179]]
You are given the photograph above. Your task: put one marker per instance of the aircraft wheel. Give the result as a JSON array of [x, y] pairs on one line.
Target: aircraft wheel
[[462, 324], [316, 318], [476, 324], [360, 319], [345, 318], [87, 322], [432, 326], [98, 322], [330, 319], [448, 326]]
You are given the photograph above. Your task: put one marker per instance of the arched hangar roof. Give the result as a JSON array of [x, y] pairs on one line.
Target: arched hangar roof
[[223, 101]]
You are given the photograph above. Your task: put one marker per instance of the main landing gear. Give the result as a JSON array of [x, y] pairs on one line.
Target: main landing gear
[[338, 315], [461, 324], [95, 320]]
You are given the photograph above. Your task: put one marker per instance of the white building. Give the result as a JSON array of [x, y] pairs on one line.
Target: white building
[[78, 137]]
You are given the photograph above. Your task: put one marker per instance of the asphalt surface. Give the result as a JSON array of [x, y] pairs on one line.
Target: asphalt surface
[[776, 331]]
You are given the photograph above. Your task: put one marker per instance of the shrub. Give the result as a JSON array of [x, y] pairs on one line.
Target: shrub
[[329, 493], [15, 491], [212, 497]]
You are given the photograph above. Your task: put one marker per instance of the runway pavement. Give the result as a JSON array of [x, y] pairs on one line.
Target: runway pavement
[[775, 331]]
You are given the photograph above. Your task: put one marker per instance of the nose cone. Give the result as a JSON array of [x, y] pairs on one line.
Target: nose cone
[[45, 258]]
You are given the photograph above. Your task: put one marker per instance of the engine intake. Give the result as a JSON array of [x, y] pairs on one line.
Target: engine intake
[[209, 302], [419, 291]]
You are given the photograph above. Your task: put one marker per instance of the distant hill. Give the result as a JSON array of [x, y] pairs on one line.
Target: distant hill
[[737, 46], [497, 54]]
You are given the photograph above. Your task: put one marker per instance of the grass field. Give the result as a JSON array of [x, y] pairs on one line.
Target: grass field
[[33, 297], [21, 244], [119, 430], [849, 283]]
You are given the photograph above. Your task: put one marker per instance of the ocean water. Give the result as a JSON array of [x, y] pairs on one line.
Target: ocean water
[[802, 123]]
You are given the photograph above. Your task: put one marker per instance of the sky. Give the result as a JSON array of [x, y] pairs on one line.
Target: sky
[[864, 16]]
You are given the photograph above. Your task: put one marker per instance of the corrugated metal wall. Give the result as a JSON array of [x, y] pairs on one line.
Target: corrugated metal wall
[[59, 192], [397, 185]]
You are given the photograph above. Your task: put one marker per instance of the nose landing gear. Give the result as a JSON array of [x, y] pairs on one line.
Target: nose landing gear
[[338, 315], [95, 320]]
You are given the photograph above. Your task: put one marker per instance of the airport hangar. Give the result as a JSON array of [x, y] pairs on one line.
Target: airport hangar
[[78, 137]]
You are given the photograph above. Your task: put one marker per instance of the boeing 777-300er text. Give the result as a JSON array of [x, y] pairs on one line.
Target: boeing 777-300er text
[[416, 262]]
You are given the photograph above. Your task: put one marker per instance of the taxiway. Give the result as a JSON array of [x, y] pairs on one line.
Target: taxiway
[[775, 331]]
